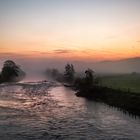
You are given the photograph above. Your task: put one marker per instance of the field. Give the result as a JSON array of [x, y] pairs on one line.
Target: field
[[125, 82]]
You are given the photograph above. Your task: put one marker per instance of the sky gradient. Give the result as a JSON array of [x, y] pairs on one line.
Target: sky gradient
[[70, 29]]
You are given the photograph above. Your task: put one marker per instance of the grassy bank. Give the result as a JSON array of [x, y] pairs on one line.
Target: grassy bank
[[125, 100], [124, 82]]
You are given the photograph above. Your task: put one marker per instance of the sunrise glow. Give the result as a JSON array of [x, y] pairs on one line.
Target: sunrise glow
[[87, 30]]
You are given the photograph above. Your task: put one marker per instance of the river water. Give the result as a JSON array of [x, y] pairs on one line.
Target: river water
[[49, 111]]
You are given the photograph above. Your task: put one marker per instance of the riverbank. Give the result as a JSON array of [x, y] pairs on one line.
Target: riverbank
[[125, 100]]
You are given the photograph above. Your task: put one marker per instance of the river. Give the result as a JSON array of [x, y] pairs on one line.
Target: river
[[49, 111]]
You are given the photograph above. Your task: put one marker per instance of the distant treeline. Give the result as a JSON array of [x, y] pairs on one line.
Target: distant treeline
[[70, 76]]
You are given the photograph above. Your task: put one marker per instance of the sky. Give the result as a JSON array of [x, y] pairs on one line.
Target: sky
[[90, 30]]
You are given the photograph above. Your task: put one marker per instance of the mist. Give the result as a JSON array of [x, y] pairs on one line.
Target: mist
[[35, 67]]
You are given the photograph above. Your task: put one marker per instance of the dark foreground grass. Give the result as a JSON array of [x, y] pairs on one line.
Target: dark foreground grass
[[125, 100]]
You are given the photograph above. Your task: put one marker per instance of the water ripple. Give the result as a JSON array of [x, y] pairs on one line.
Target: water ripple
[[46, 111]]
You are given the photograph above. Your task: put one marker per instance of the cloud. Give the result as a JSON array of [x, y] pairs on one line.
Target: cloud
[[62, 51], [44, 53], [138, 41], [10, 54]]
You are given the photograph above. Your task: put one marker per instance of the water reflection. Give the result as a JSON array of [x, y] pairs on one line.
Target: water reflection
[[44, 111]]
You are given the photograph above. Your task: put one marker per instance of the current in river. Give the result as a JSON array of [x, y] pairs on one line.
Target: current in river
[[50, 111]]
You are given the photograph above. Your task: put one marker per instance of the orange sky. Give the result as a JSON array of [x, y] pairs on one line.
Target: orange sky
[[79, 31]]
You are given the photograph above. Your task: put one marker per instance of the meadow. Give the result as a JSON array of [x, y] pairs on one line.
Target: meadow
[[124, 82]]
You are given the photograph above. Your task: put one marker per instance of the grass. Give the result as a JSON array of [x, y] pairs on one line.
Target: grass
[[124, 82], [122, 91]]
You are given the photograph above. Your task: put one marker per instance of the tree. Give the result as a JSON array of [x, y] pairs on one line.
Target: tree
[[11, 72], [0, 78], [69, 73], [89, 79], [84, 84], [53, 73]]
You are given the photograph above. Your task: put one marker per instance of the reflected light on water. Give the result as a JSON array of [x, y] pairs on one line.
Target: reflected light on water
[[33, 110]]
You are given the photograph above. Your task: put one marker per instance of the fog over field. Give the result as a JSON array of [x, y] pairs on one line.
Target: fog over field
[[36, 67]]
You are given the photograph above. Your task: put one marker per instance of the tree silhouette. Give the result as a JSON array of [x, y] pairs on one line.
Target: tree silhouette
[[11, 72], [89, 79], [69, 73], [0, 78], [85, 83]]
